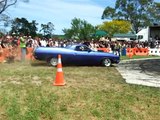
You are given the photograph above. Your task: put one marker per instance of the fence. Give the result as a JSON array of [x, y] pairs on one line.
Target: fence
[[14, 53], [136, 51]]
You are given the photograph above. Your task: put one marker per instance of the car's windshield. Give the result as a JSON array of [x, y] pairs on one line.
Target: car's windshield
[[70, 47]]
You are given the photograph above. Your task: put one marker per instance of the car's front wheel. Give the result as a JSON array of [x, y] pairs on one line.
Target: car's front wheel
[[53, 62], [106, 62]]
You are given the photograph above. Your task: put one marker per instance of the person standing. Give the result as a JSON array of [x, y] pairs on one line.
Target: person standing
[[118, 48], [23, 47]]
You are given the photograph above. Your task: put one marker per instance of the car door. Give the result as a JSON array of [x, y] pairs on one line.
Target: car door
[[83, 55]]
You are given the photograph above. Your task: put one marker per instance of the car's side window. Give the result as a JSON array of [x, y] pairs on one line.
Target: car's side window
[[78, 48], [81, 48], [85, 48]]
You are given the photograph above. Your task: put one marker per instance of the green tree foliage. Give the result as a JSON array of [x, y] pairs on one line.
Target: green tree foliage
[[80, 29], [22, 25], [115, 26], [47, 29], [140, 13], [5, 19]]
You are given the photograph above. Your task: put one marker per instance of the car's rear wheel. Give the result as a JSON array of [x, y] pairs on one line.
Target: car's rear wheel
[[106, 62], [53, 61]]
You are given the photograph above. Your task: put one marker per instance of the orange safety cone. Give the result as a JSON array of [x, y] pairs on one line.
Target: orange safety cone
[[59, 81]]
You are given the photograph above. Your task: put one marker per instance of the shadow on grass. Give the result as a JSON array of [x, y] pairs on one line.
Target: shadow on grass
[[38, 63], [42, 63]]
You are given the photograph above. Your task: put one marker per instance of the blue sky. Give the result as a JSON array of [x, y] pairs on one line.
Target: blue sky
[[61, 12]]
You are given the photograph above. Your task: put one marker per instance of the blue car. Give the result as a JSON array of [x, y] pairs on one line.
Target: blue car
[[78, 54]]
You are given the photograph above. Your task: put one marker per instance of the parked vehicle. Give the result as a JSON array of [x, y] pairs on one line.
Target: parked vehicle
[[75, 55], [151, 33]]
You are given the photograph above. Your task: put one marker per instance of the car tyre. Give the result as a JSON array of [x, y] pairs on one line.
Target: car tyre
[[53, 62], [106, 62]]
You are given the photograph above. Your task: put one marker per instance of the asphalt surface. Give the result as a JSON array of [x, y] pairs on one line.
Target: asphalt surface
[[141, 72]]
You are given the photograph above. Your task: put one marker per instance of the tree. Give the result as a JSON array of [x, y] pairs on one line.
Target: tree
[[80, 29], [140, 13], [4, 4], [22, 25], [4, 20], [33, 28], [47, 29], [115, 26]]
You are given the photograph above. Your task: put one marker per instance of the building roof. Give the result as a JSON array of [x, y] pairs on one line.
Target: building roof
[[101, 33], [127, 35]]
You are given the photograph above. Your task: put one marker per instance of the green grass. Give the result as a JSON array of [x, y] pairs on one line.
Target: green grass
[[138, 57], [91, 93]]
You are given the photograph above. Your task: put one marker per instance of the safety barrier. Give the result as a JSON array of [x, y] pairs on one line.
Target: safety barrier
[[136, 51], [1, 54], [141, 51], [14, 53], [29, 55], [129, 51], [132, 51], [103, 49], [155, 51]]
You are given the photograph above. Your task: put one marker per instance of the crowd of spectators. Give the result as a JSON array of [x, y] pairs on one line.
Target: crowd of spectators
[[14, 41]]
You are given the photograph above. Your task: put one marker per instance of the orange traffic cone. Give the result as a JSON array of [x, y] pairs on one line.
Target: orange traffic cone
[[59, 81]]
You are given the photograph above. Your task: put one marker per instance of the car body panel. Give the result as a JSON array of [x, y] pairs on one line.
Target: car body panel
[[73, 54]]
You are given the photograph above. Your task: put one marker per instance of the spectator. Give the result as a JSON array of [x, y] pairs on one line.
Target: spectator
[[118, 48], [23, 46]]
